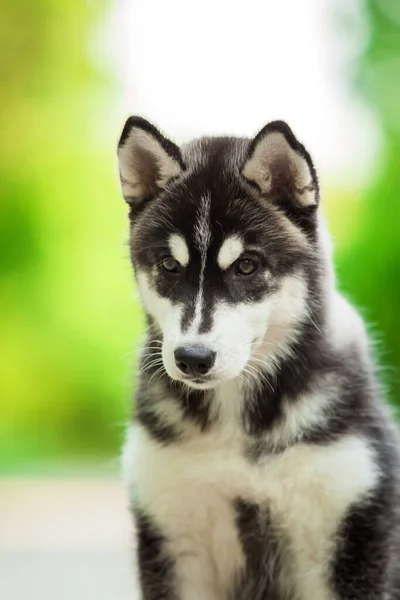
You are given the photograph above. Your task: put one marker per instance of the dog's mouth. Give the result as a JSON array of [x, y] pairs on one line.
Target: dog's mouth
[[200, 383]]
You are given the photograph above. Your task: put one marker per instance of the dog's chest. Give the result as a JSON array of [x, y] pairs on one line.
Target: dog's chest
[[193, 491]]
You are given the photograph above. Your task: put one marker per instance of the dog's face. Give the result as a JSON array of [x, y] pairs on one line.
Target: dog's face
[[222, 235]]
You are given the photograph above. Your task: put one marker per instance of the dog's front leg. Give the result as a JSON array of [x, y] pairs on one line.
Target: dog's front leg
[[167, 569], [361, 566], [155, 565]]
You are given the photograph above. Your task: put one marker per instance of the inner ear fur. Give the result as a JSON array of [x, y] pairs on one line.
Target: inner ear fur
[[148, 161], [280, 166]]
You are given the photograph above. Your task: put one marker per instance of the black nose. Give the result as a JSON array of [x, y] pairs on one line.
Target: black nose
[[194, 360]]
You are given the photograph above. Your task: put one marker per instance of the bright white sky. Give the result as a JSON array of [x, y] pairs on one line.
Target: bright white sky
[[198, 67]]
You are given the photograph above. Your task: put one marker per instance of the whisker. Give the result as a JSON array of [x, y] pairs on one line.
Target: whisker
[[250, 375], [162, 375], [151, 365], [144, 342], [314, 323], [155, 373], [259, 360], [266, 359], [264, 363], [150, 355], [143, 346], [260, 374]]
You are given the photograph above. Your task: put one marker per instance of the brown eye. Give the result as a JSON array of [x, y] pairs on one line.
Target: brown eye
[[170, 264], [246, 266]]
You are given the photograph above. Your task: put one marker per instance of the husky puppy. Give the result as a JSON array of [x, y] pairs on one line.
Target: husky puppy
[[262, 463]]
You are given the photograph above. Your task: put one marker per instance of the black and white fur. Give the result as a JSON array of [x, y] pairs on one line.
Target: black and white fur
[[274, 474]]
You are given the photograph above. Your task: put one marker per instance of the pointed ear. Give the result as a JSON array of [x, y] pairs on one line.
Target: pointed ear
[[147, 160], [280, 167]]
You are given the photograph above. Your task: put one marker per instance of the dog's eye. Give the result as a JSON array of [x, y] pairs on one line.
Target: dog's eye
[[170, 264], [246, 266]]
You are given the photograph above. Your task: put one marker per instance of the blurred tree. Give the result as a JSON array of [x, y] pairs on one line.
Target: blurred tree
[[64, 287], [370, 267]]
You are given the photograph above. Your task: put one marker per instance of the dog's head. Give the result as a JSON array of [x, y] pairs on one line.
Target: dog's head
[[223, 239]]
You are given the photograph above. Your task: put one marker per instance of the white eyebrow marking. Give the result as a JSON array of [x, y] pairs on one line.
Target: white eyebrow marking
[[230, 251], [179, 249]]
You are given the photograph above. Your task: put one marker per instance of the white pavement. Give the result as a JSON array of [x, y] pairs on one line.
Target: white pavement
[[65, 539]]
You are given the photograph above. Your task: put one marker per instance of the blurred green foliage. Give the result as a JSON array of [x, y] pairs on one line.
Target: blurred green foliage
[[369, 267], [67, 313]]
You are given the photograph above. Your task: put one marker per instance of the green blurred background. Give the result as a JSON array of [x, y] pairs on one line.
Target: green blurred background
[[70, 324]]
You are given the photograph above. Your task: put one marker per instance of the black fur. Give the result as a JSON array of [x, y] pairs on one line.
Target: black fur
[[368, 538], [262, 548], [156, 567], [360, 568], [160, 431]]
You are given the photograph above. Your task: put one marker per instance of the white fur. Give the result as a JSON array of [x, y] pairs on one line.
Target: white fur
[[179, 249], [309, 411], [158, 307], [345, 324], [189, 490], [232, 247], [240, 333], [288, 310]]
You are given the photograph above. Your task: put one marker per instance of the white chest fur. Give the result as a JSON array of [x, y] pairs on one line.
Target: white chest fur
[[189, 490]]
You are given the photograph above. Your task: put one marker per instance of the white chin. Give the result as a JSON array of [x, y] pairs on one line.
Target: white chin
[[203, 385], [192, 383]]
